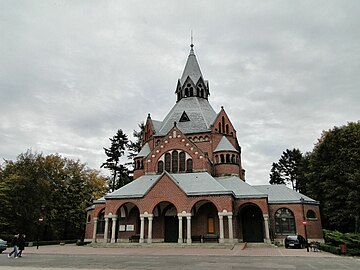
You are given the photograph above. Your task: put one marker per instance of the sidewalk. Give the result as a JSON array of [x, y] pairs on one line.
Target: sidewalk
[[176, 249]]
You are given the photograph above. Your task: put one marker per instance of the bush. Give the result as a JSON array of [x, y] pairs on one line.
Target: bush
[[351, 240]]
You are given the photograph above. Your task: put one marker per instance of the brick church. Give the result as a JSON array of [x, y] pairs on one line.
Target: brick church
[[189, 184]]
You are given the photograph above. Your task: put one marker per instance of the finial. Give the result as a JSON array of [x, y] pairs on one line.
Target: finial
[[192, 43], [149, 115], [175, 124]]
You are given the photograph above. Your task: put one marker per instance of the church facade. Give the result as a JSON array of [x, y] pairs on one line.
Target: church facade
[[189, 184]]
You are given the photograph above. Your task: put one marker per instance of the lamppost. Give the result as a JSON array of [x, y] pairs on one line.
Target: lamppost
[[304, 223], [40, 222]]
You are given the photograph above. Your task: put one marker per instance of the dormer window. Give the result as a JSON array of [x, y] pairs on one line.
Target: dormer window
[[184, 117]]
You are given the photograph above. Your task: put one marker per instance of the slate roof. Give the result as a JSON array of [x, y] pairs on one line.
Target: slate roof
[[145, 150], [283, 194], [240, 188], [192, 68], [199, 111], [225, 145], [157, 125], [135, 189]]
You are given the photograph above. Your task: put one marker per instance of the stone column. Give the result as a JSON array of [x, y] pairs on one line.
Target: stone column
[[221, 224], [150, 219], [113, 229], [106, 231], [267, 232], [180, 240], [141, 240], [95, 229], [231, 232], [188, 229]]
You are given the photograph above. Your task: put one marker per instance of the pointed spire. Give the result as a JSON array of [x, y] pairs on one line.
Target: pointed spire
[[192, 68]]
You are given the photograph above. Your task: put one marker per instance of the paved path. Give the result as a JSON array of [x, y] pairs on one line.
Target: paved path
[[184, 250], [165, 256]]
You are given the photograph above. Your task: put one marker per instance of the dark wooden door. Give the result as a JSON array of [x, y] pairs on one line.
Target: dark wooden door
[[171, 229], [252, 224]]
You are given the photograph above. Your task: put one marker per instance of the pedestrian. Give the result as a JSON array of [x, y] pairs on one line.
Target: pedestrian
[[21, 244], [14, 243]]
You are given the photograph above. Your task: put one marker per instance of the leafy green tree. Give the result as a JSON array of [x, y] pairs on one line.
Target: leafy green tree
[[288, 169], [120, 173], [334, 177], [63, 186]]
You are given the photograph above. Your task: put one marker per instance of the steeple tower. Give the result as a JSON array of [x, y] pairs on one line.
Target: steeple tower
[[192, 83]]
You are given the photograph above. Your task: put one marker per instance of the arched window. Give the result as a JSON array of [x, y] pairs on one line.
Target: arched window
[[191, 91], [310, 214], [219, 127], [142, 164], [182, 162], [160, 167], [227, 158], [189, 165], [175, 161], [223, 124], [216, 159], [89, 219], [138, 164], [284, 221], [222, 158], [167, 162], [233, 159], [227, 128], [101, 223]]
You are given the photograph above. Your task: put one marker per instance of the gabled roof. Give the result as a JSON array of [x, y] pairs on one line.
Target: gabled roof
[[145, 150], [283, 194], [157, 125], [199, 111], [225, 145], [192, 68]]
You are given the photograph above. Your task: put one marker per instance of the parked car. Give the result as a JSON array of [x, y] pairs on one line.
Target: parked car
[[295, 241], [3, 245]]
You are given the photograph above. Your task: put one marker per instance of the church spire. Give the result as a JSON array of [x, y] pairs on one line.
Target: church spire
[[192, 83]]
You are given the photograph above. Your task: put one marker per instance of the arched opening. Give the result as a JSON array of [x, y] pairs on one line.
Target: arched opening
[[128, 222], [205, 219], [310, 214], [252, 222], [182, 161], [160, 167], [101, 222], [174, 161], [189, 165], [167, 162], [165, 217]]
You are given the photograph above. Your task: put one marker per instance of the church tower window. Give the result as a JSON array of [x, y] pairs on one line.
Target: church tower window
[[160, 167], [189, 165], [182, 161], [175, 161], [167, 162]]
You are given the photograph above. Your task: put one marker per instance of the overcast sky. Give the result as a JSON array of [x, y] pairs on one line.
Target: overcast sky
[[73, 72]]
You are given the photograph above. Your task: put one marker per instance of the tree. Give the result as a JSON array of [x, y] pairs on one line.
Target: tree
[[120, 173], [288, 169], [135, 146], [63, 186], [334, 176]]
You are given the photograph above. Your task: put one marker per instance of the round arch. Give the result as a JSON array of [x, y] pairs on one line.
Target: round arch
[[205, 218], [128, 221], [165, 221], [252, 223]]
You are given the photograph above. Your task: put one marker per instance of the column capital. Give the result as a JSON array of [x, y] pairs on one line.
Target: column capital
[[95, 218], [225, 213]]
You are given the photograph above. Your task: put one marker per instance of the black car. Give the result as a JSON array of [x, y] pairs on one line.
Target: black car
[[295, 241]]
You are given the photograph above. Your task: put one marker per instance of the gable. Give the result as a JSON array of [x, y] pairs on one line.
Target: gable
[[165, 189], [223, 125]]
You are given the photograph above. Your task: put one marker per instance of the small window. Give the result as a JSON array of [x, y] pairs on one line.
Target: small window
[[89, 218], [227, 158], [175, 161], [182, 161], [310, 214], [189, 165], [222, 158], [160, 168]]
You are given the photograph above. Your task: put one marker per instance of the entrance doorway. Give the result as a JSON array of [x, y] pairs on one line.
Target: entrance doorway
[[252, 224], [171, 229]]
